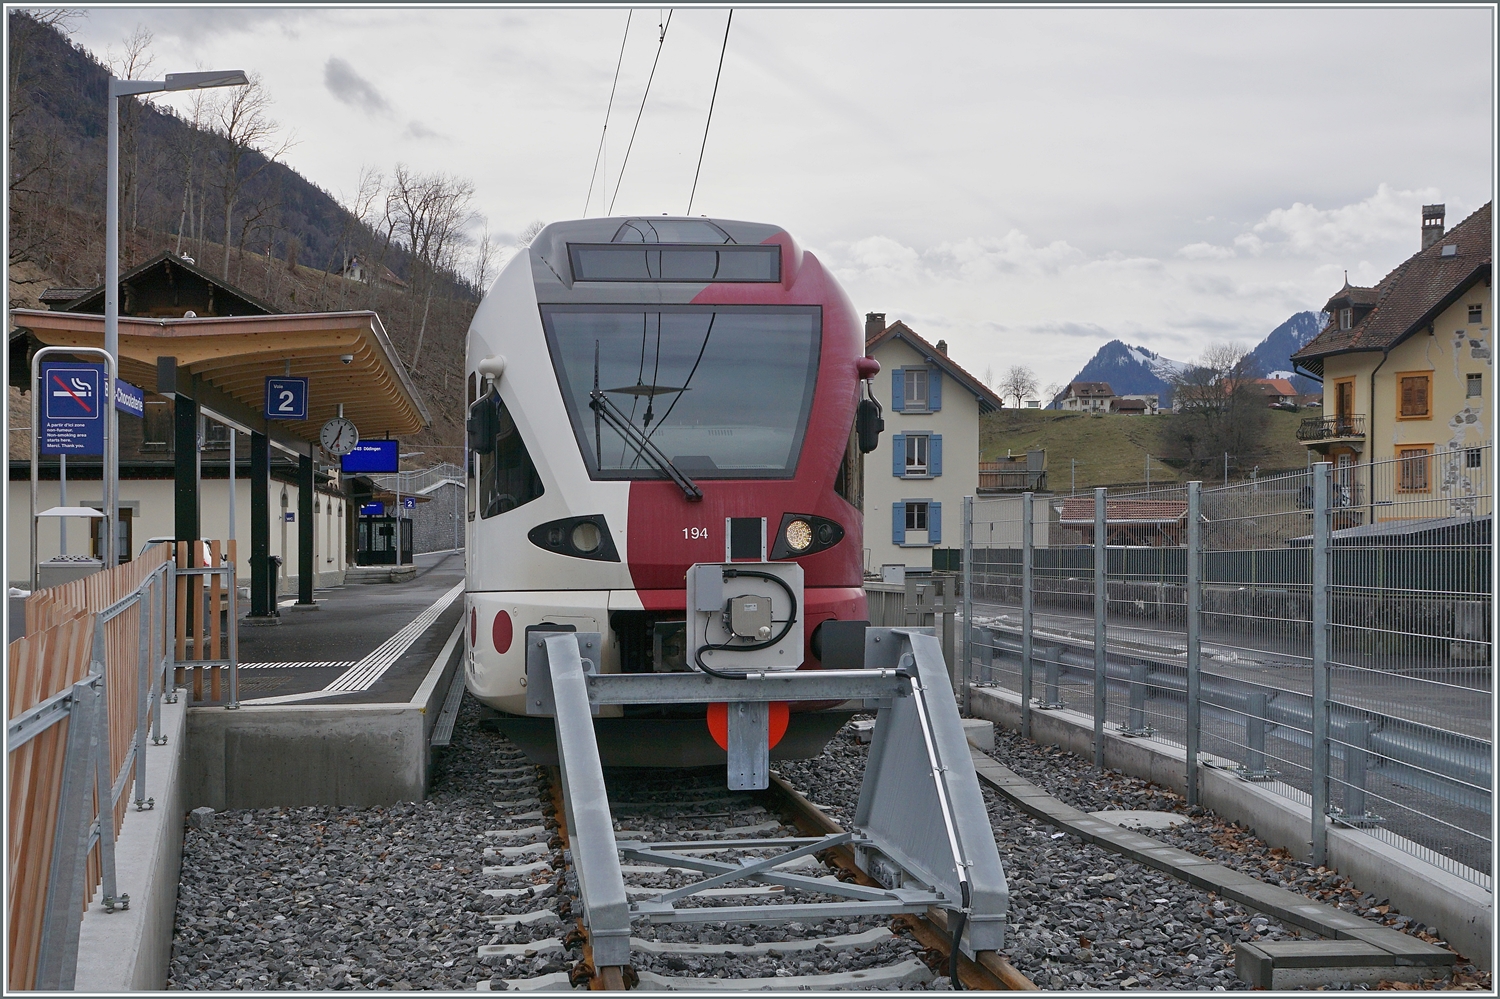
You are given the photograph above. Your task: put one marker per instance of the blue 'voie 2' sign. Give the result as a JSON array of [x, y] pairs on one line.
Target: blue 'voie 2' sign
[[72, 410], [286, 398]]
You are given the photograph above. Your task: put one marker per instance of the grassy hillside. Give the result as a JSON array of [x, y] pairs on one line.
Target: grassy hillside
[[1111, 450]]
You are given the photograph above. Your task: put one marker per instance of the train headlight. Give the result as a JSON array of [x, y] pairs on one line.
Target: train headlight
[[799, 535], [586, 537]]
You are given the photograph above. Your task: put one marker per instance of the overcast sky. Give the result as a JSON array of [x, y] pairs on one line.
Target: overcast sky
[[1026, 184]]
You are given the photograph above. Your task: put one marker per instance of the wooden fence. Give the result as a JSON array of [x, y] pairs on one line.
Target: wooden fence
[[111, 632]]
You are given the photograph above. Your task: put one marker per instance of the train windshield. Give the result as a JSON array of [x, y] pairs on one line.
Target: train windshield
[[722, 392]]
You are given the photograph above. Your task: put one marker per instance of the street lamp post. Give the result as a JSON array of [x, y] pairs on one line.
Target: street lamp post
[[118, 89]]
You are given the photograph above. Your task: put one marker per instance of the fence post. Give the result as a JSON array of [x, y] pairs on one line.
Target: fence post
[[968, 582], [142, 692], [1320, 677], [1356, 760], [159, 593], [1194, 609], [1256, 712], [1027, 610], [57, 957], [1101, 671]]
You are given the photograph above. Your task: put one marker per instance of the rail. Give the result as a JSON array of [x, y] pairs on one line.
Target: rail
[[85, 684]]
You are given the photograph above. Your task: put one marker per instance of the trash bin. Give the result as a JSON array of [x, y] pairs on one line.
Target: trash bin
[[273, 576]]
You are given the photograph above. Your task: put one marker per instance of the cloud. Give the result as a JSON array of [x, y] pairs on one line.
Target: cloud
[[352, 89], [416, 130], [981, 258], [1387, 216], [1205, 251]]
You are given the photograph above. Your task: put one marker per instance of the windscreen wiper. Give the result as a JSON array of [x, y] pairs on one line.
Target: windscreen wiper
[[610, 413]]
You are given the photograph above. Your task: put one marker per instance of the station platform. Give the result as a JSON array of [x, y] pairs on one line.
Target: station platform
[[338, 703], [363, 644]]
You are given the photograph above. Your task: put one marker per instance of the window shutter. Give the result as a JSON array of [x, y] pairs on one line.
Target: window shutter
[[898, 390], [898, 523], [1421, 395], [1408, 394], [898, 455], [934, 523], [935, 455], [934, 390]]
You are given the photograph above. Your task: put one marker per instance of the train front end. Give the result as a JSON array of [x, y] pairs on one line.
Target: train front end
[[647, 394]]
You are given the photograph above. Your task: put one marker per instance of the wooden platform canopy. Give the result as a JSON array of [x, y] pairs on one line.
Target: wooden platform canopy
[[223, 363]]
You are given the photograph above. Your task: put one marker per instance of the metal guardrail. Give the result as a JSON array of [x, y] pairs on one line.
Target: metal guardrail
[[1344, 660], [74, 793], [413, 483]]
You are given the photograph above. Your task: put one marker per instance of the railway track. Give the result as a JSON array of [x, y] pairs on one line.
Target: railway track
[[539, 941]]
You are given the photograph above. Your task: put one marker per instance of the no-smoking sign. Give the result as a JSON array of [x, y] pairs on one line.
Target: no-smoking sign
[[72, 409]]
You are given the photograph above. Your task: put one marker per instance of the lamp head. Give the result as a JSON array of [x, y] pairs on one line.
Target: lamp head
[[197, 81]]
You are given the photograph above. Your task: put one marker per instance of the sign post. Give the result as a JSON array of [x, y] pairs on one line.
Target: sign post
[[69, 415]]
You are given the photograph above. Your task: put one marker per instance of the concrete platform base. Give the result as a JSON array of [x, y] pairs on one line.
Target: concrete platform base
[[1299, 964], [131, 949], [293, 755]]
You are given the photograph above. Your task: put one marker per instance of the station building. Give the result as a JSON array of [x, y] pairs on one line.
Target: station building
[[200, 349]]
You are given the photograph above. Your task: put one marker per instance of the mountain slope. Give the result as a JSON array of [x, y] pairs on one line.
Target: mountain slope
[[1138, 371], [1131, 371], [1274, 353]]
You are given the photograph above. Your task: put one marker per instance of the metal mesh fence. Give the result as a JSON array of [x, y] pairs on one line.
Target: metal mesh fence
[[1368, 694]]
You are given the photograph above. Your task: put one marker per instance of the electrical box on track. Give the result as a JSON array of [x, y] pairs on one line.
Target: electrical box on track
[[745, 616]]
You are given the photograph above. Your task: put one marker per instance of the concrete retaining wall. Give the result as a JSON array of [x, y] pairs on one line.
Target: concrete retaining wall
[[293, 755], [131, 949], [1461, 913]]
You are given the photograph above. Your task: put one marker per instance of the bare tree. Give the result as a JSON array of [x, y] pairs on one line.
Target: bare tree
[[532, 231], [484, 260], [242, 116], [133, 64], [1019, 382], [430, 212], [1218, 410]]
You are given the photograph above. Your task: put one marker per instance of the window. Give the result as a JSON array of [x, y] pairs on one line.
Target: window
[[1476, 313], [694, 264], [724, 391], [1413, 469], [1415, 394], [916, 516], [916, 389], [507, 476], [1343, 399], [916, 454], [1475, 386], [1474, 457], [1346, 319]]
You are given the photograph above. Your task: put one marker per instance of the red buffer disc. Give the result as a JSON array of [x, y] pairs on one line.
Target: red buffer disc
[[718, 722]]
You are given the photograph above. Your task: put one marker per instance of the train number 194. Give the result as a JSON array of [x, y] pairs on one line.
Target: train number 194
[[695, 533]]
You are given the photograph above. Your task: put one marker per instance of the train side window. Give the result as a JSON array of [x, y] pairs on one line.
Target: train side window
[[507, 475]]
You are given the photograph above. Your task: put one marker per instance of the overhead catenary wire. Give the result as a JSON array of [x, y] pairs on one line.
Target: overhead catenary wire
[[599, 155], [660, 41], [709, 120]]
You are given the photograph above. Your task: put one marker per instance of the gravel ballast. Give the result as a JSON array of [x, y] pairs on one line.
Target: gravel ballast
[[395, 897]]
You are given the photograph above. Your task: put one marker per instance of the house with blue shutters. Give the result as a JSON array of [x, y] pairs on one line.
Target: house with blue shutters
[[928, 459]]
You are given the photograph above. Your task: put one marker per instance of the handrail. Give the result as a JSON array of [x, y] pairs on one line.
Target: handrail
[[1318, 428]]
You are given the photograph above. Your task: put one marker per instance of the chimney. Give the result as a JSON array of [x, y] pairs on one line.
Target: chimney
[[942, 346], [1432, 223], [874, 324]]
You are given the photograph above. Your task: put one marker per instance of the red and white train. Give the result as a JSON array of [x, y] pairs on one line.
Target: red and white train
[[646, 394]]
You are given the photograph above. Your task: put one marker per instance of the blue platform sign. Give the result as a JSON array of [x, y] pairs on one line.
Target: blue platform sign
[[286, 398], [376, 509], [72, 411], [372, 456], [129, 399], [410, 502]]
